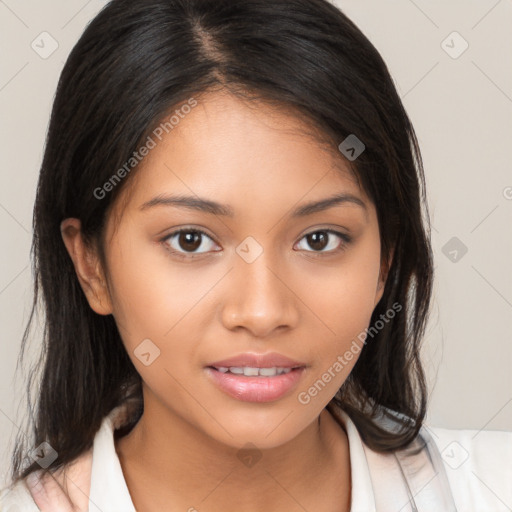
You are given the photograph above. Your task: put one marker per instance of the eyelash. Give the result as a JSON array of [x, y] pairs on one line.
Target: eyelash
[[345, 240]]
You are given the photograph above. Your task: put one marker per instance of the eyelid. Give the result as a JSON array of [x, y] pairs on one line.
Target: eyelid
[[346, 239], [344, 236]]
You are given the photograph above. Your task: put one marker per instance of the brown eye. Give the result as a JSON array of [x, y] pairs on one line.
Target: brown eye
[[318, 241], [189, 241], [323, 241]]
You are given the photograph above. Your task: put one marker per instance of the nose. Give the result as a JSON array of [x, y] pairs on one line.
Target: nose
[[258, 298]]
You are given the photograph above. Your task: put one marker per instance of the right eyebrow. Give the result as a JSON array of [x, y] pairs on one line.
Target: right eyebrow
[[190, 202], [324, 204]]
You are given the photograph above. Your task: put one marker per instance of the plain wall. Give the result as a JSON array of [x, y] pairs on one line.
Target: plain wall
[[461, 109]]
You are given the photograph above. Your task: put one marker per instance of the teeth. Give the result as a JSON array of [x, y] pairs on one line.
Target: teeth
[[268, 372], [248, 371]]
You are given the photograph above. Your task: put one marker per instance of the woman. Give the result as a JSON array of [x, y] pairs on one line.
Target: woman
[[232, 247]]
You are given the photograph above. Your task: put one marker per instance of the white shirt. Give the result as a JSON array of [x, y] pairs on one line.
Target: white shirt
[[478, 466]]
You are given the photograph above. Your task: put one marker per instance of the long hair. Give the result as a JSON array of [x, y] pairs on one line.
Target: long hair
[[134, 63]]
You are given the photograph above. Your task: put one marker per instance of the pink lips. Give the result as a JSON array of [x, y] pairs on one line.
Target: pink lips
[[256, 388]]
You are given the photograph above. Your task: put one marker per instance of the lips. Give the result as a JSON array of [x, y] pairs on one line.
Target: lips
[[242, 377], [270, 360]]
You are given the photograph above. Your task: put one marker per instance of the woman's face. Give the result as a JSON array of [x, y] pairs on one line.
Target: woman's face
[[267, 277]]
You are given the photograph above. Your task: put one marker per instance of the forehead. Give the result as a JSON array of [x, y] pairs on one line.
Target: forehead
[[245, 153]]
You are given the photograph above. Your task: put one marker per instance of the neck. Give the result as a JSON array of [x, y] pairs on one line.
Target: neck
[[167, 460]]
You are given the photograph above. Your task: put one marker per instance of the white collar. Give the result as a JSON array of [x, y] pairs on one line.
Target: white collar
[[363, 499], [108, 487], [109, 490]]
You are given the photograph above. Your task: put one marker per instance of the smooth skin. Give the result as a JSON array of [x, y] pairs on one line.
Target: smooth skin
[[305, 297]]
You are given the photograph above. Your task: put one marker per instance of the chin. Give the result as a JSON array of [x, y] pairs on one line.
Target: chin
[[265, 431]]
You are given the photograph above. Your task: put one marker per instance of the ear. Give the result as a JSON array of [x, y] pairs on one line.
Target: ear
[[383, 275], [87, 267]]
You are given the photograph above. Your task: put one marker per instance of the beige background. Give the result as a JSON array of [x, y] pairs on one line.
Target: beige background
[[462, 111]]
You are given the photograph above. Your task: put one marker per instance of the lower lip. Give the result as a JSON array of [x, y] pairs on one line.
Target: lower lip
[[255, 389]]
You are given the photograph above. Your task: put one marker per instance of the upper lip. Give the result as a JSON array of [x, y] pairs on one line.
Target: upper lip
[[269, 360]]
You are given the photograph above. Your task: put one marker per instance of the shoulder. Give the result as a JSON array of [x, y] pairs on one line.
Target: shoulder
[[478, 465], [70, 485], [58, 490], [16, 498]]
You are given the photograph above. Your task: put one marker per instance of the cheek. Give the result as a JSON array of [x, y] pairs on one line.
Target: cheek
[[343, 295], [148, 295], [156, 299], [153, 307], [342, 299]]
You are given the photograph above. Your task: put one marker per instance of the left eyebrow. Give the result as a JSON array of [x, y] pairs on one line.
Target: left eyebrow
[[324, 204]]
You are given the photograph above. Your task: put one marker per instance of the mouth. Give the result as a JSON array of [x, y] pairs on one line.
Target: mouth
[[255, 384]]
